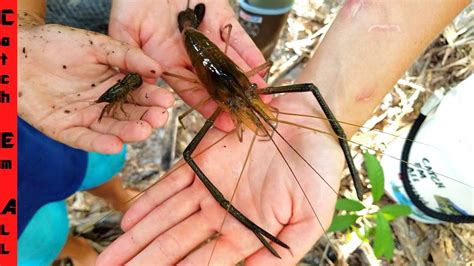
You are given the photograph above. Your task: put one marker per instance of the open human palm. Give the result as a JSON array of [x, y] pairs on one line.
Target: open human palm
[[173, 219], [64, 70], [154, 27]]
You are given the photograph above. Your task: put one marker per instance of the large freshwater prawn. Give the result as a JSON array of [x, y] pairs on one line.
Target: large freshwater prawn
[[229, 86], [234, 93]]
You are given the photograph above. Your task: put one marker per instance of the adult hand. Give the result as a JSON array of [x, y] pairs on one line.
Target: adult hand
[[63, 70], [152, 25], [171, 222]]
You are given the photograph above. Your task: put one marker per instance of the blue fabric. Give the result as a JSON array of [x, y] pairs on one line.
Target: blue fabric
[[48, 171], [102, 167], [44, 236]]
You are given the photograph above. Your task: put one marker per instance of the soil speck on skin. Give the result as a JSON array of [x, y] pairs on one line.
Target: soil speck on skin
[[67, 111], [92, 85], [54, 106], [91, 42], [78, 94], [163, 112], [64, 66], [118, 80], [225, 146], [26, 56], [24, 50], [153, 71], [59, 31], [20, 93], [146, 95], [113, 52]]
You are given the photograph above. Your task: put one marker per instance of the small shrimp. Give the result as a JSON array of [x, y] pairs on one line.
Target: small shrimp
[[117, 94]]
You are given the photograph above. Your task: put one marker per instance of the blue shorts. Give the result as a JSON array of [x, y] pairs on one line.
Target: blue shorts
[[48, 173]]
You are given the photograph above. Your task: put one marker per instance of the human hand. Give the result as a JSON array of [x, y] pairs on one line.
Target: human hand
[[152, 25], [63, 70], [173, 219]]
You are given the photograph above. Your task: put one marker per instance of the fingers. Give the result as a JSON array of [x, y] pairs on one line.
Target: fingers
[[175, 243], [125, 56], [86, 139], [244, 46], [154, 224], [234, 243], [151, 95], [190, 92], [302, 231], [157, 194], [120, 34], [299, 236], [154, 116], [225, 250], [127, 131], [148, 104]]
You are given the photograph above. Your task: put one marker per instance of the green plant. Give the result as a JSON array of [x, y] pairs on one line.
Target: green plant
[[370, 221]]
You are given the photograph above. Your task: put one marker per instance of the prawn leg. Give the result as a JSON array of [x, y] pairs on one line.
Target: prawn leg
[[192, 80], [227, 40], [105, 110], [265, 66], [219, 197], [336, 127], [195, 107], [121, 103]]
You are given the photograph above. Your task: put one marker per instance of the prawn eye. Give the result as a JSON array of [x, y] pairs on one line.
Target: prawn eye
[[253, 86]]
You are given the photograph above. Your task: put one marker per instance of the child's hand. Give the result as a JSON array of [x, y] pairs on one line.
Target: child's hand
[[153, 26], [63, 71]]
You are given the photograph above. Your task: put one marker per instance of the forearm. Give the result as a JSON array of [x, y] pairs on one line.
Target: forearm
[[369, 47]]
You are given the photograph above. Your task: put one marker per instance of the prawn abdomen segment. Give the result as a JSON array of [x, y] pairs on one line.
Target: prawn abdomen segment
[[225, 82], [214, 69], [120, 90]]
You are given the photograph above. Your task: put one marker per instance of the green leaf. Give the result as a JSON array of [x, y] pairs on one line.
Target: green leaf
[[383, 243], [375, 173], [342, 222], [394, 211], [349, 205]]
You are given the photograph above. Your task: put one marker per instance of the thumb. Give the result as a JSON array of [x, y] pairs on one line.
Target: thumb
[[125, 56]]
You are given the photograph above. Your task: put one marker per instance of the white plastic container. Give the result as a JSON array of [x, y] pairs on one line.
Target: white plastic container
[[441, 170]]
